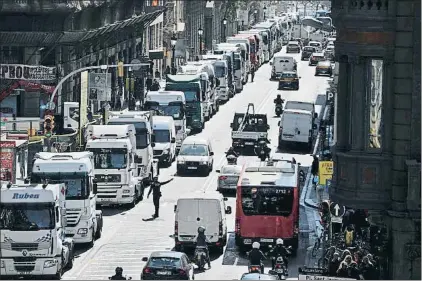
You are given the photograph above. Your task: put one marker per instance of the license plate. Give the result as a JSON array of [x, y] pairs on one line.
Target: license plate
[[163, 273], [192, 168], [247, 241], [280, 271], [24, 273], [266, 240], [249, 143], [69, 232]]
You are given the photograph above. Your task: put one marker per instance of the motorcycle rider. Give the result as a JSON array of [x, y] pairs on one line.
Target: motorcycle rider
[[256, 256], [278, 100], [201, 241], [118, 275], [262, 146], [280, 251]]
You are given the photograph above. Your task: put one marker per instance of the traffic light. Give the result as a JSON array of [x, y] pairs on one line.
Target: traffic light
[[48, 125]]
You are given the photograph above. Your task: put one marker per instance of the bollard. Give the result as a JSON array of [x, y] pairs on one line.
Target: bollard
[[14, 123]]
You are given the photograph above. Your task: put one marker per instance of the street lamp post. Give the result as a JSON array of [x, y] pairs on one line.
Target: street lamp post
[[243, 25], [200, 33], [265, 12], [224, 30], [173, 42]]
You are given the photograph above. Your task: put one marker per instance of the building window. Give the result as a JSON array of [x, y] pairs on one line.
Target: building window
[[374, 99]]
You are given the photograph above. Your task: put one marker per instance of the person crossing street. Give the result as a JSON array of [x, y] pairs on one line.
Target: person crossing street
[[155, 189]]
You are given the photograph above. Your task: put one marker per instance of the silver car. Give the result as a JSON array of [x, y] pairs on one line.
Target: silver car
[[229, 175]]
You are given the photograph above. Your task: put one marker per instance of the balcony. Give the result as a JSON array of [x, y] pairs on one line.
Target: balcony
[[47, 6]]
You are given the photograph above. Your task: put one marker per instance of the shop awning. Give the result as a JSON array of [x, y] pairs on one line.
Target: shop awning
[[40, 39]]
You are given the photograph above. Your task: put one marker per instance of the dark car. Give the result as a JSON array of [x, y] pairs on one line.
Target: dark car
[[315, 58], [307, 52], [293, 47], [167, 265], [258, 276], [289, 79], [324, 68]]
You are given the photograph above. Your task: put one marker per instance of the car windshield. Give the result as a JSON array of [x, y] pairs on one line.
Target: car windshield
[[288, 75], [26, 217], [231, 169], [293, 45], [193, 150], [162, 136], [318, 58], [271, 201], [109, 158], [160, 262]]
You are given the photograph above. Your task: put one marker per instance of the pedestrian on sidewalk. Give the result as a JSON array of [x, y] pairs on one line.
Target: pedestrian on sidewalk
[[315, 170]]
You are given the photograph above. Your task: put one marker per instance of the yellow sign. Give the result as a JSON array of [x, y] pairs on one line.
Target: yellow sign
[[83, 105], [325, 171]]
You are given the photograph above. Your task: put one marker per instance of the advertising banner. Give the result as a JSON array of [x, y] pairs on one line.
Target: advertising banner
[[83, 105], [7, 158], [325, 171], [27, 72], [99, 86]]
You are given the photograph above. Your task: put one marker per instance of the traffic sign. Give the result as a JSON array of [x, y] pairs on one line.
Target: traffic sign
[[337, 210], [50, 106]]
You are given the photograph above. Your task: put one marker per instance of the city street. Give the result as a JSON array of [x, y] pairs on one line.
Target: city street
[[126, 238]]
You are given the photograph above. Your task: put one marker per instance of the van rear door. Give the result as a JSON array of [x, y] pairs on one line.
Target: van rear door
[[296, 127], [186, 217], [210, 217]]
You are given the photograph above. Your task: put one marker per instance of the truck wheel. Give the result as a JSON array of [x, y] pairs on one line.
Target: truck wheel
[[71, 259], [99, 232], [92, 242]]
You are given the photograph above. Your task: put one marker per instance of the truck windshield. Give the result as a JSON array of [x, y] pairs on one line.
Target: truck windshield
[[263, 200], [141, 133], [110, 158], [162, 136], [174, 111], [220, 71], [26, 217], [76, 189]]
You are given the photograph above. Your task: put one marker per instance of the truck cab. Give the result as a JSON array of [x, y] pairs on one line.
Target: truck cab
[[114, 150], [220, 66], [71, 115], [33, 226], [235, 69], [240, 72], [164, 133], [76, 170], [170, 103], [146, 167]]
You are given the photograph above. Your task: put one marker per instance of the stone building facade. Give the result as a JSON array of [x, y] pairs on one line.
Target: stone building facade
[[74, 34], [378, 149]]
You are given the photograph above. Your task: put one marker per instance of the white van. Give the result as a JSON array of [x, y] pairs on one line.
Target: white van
[[281, 63], [164, 132], [207, 210], [296, 126], [317, 45], [196, 155]]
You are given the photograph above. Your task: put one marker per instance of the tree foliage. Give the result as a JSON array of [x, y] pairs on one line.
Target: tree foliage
[[232, 6]]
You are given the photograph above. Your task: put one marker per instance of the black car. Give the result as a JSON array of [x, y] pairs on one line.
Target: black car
[[289, 79], [293, 47], [307, 52], [167, 265]]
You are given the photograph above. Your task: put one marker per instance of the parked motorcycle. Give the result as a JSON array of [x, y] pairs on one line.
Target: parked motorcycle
[[200, 257]]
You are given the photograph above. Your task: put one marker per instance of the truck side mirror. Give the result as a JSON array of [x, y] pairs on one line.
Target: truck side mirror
[[173, 140], [211, 153], [228, 210], [94, 188], [175, 208], [153, 144]]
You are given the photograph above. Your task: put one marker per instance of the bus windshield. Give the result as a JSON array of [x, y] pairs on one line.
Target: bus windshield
[[267, 200]]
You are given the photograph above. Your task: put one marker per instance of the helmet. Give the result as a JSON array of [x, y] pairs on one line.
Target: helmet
[[119, 270], [155, 179], [279, 96], [279, 241], [255, 245], [201, 229]]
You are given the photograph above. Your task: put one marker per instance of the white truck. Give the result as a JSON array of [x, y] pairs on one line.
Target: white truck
[[239, 68], [32, 231], [243, 43], [170, 103], [146, 166], [114, 149], [76, 170], [221, 74], [71, 115]]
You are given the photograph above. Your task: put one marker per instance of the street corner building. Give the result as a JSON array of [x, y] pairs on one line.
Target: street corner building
[[378, 124], [42, 41]]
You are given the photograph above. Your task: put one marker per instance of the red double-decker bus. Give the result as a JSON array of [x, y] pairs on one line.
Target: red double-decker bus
[[267, 204]]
